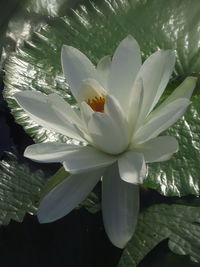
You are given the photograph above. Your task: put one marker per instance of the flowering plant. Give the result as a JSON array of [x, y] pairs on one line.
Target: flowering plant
[[117, 127]]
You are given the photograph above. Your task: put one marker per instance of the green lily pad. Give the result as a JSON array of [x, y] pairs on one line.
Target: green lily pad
[[19, 189], [96, 29], [181, 174], [180, 224], [52, 8]]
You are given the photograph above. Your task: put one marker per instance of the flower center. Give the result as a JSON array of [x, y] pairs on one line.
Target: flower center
[[97, 103]]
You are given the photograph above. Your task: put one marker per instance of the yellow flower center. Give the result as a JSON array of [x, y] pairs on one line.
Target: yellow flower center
[[97, 103]]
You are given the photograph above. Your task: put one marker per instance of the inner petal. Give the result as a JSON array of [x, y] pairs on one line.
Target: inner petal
[[93, 94]]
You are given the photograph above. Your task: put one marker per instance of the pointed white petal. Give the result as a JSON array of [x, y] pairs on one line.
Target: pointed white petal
[[106, 134], [135, 104], [126, 63], [86, 158], [159, 149], [113, 109], [161, 121], [184, 90], [103, 69], [64, 110], [155, 74], [49, 152], [76, 67], [39, 108], [120, 207], [66, 196], [131, 164], [86, 112]]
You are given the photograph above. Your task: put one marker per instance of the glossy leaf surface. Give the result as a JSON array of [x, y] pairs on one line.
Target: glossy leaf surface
[[19, 189], [181, 224]]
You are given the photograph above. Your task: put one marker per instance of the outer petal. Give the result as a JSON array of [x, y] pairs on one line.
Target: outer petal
[[66, 196], [161, 121], [103, 69], [135, 104], [39, 108], [64, 110], [107, 134], [159, 149], [155, 74], [50, 152], [76, 67], [120, 206], [126, 63], [131, 165], [184, 90], [86, 158]]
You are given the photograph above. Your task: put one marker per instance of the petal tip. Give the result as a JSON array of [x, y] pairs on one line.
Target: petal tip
[[129, 39]]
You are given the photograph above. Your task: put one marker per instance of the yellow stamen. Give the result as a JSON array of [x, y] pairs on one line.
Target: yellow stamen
[[97, 103]]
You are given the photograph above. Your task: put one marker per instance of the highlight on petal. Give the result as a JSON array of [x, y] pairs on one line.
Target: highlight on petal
[[155, 74], [50, 152], [86, 158], [66, 196], [76, 67], [107, 134], [131, 167], [115, 112], [161, 121], [126, 63], [159, 149], [39, 108], [135, 104], [103, 69], [120, 207]]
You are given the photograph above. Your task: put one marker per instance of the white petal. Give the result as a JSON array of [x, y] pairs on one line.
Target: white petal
[[66, 196], [86, 158], [86, 112], [120, 207], [125, 65], [49, 152], [39, 108], [76, 67], [103, 69], [64, 110], [155, 74], [131, 164], [106, 134], [159, 149], [161, 121], [184, 90], [135, 104], [113, 109], [90, 89]]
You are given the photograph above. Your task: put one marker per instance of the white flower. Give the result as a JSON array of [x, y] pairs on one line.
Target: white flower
[[119, 126]]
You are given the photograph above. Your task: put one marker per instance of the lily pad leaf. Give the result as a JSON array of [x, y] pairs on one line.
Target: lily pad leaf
[[36, 66], [181, 174], [52, 8], [180, 224], [19, 189]]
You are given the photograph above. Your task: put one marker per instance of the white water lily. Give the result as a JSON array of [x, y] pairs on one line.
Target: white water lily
[[118, 126]]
